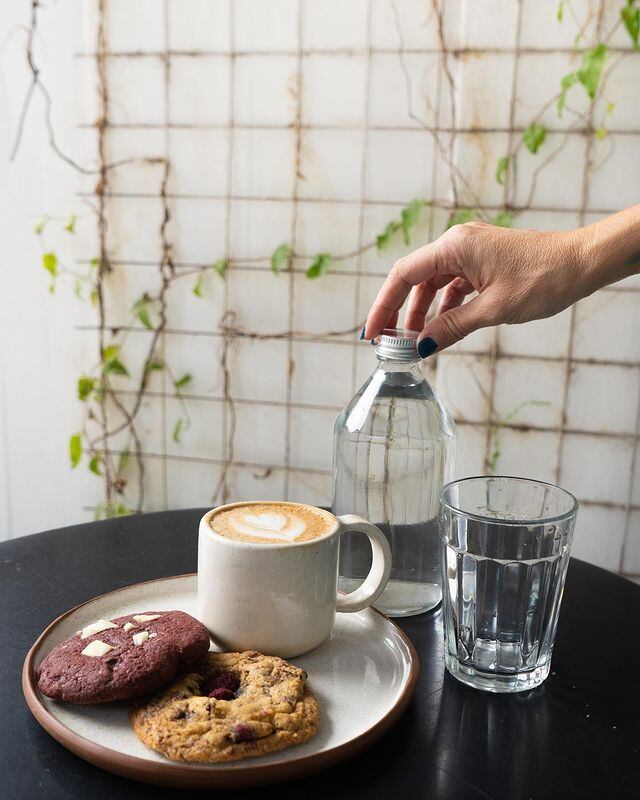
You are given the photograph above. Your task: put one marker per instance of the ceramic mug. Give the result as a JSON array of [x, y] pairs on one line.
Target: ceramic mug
[[281, 599]]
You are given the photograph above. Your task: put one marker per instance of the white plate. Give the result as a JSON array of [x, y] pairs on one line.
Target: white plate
[[362, 676]]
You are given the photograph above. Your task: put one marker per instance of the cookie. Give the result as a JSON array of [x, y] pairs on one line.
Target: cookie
[[230, 706], [122, 658]]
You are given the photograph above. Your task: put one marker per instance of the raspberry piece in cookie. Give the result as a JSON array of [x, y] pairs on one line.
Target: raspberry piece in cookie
[[222, 694], [223, 680]]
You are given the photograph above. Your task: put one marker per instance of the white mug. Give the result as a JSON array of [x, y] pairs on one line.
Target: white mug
[[281, 599]]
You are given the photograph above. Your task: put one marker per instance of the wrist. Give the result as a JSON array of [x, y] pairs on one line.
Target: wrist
[[609, 250]]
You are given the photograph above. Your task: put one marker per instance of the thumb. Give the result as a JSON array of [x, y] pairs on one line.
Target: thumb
[[451, 326]]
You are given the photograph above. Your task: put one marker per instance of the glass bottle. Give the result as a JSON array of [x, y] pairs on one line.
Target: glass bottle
[[394, 447]]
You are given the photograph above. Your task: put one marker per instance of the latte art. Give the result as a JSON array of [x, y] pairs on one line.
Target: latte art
[[272, 523], [277, 527]]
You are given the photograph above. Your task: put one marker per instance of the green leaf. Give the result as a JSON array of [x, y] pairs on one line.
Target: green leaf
[[462, 216], [591, 69], [319, 266], [565, 84], [383, 239], [221, 266], [503, 219], [183, 381], [77, 288], [75, 450], [560, 11], [600, 133], [94, 297], [501, 169], [177, 430], [50, 263], [155, 366], [141, 310], [197, 287], [110, 510], [123, 460], [534, 136], [116, 366], [95, 263], [70, 227], [94, 465], [279, 256], [111, 361], [112, 351], [85, 386], [409, 216], [39, 226], [630, 16]]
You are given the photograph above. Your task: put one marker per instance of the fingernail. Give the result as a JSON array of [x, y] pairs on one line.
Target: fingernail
[[427, 347], [362, 332]]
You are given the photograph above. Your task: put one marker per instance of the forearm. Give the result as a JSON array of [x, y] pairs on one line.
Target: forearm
[[610, 248]]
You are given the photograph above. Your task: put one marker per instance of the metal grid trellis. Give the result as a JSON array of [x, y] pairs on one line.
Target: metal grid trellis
[[360, 275]]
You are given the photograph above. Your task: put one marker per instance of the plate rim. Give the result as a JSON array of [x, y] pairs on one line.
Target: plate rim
[[189, 775]]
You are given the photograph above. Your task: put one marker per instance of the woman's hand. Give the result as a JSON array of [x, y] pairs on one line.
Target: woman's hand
[[519, 275]]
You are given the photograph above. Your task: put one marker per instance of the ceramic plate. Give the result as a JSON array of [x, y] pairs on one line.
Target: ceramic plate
[[362, 676]]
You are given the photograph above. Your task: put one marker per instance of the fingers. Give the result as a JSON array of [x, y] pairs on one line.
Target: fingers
[[393, 321], [454, 294], [416, 268], [420, 300], [456, 323]]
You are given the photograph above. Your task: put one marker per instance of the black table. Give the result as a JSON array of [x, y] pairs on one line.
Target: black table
[[577, 736]]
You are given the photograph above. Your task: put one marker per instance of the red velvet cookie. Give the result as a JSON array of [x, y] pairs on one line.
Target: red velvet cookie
[[122, 658]]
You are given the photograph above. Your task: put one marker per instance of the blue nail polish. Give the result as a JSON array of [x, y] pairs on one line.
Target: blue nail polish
[[362, 332], [427, 347]]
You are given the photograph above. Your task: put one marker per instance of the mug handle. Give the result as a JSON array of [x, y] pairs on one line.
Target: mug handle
[[373, 585]]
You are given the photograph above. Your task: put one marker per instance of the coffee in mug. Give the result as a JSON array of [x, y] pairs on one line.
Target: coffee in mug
[[271, 523], [268, 575]]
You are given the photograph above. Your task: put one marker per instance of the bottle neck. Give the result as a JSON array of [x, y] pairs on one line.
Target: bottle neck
[[392, 365]]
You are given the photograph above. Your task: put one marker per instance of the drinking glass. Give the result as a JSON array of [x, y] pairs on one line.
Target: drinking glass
[[506, 551]]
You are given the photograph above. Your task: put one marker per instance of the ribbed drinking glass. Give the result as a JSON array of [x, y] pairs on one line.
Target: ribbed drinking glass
[[506, 548]]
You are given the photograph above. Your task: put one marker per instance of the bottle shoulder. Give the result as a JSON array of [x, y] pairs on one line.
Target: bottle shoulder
[[405, 403]]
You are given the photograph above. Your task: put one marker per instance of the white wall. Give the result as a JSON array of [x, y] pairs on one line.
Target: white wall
[[40, 355], [363, 156]]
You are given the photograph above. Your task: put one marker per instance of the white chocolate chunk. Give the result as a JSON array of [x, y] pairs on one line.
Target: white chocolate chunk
[[96, 648], [146, 617], [140, 638], [96, 627], [128, 626]]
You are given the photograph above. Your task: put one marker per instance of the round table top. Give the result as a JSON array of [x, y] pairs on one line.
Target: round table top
[[577, 736]]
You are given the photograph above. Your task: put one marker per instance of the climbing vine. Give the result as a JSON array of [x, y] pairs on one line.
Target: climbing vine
[[108, 416]]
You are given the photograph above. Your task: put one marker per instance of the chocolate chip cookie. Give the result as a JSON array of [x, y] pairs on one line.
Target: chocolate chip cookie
[[122, 658], [230, 706]]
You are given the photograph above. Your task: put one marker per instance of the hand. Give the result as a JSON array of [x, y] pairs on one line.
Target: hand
[[519, 275]]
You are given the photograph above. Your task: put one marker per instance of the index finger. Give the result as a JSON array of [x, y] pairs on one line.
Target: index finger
[[409, 271]]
